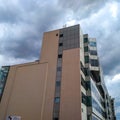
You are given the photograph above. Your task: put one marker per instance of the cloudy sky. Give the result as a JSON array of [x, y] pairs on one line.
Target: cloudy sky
[[22, 23]]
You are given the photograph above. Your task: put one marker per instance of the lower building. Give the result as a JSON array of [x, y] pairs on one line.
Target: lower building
[[65, 84]]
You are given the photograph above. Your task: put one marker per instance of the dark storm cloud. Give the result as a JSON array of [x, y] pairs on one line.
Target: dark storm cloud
[[82, 8], [23, 25]]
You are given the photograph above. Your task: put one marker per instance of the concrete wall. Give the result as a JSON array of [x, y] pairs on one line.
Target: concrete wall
[[49, 53], [30, 87], [25, 92], [70, 103]]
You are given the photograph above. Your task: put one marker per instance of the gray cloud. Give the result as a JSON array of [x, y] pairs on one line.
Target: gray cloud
[[104, 25], [24, 23], [83, 8]]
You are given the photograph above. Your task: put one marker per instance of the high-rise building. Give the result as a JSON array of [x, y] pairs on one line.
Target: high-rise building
[[65, 84]]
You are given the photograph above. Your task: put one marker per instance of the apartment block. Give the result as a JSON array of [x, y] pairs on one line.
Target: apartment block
[[66, 83]]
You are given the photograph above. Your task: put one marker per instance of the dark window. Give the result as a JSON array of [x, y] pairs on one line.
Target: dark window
[[57, 83], [85, 40], [93, 52], [57, 99], [88, 85], [86, 100], [94, 62], [57, 34], [86, 59], [83, 99], [86, 48], [60, 44], [60, 56], [61, 35], [59, 68], [3, 77], [83, 83], [89, 101], [55, 119]]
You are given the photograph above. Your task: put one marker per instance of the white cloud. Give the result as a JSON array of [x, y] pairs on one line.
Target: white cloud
[[114, 9], [4, 60], [116, 78]]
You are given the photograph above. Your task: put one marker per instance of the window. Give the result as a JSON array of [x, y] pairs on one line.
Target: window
[[57, 99], [85, 40], [93, 52], [61, 35], [88, 85], [3, 77], [93, 44], [57, 34], [60, 44], [94, 62], [83, 99], [86, 59], [83, 83], [59, 68], [55, 119], [60, 56], [86, 48], [89, 101], [57, 83]]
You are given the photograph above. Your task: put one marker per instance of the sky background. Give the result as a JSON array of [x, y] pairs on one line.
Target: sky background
[[22, 23]]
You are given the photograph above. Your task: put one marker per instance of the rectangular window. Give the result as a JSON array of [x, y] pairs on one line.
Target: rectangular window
[[86, 48], [3, 77], [58, 83], [59, 68], [93, 52], [93, 44], [57, 99], [86, 59], [60, 56], [89, 101], [94, 62], [85, 40], [60, 44], [83, 83], [83, 99], [61, 35], [55, 119]]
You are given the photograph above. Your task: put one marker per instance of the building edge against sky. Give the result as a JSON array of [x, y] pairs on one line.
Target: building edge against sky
[[65, 84]]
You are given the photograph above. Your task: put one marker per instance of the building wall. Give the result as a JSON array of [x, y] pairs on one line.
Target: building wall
[[30, 88], [70, 105], [25, 92], [49, 53]]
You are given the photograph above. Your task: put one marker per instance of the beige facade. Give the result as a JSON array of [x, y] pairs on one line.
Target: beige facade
[[30, 88], [25, 91], [70, 107]]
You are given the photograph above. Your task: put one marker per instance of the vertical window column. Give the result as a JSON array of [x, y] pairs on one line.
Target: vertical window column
[[3, 77], [56, 107]]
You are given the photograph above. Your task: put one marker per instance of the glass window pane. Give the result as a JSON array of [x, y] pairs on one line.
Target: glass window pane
[[85, 40], [86, 59], [57, 99], [86, 48], [93, 44]]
